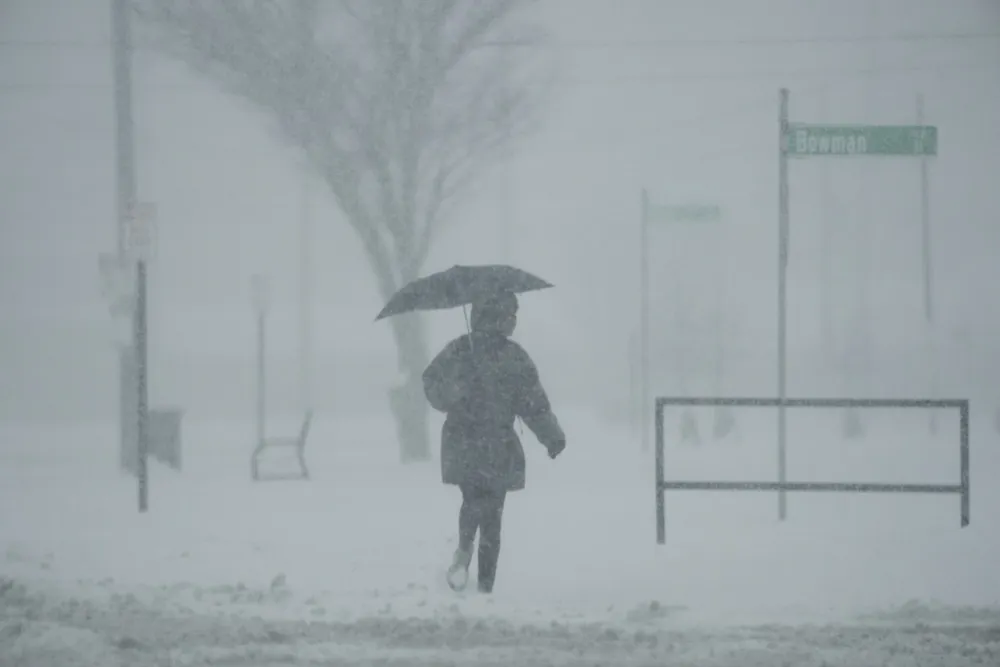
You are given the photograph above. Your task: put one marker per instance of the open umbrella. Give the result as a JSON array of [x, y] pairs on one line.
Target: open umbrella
[[460, 286]]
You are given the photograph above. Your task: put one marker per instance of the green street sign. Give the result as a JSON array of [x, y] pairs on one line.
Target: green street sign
[[686, 213], [805, 140]]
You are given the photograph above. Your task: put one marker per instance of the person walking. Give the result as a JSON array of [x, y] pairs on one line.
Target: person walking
[[482, 381]]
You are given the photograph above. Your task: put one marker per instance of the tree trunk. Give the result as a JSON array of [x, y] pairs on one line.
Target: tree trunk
[[406, 400]]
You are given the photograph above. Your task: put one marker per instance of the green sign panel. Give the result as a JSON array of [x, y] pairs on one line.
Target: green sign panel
[[805, 140], [686, 213]]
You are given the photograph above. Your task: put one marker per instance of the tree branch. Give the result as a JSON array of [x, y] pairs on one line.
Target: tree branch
[[397, 103]]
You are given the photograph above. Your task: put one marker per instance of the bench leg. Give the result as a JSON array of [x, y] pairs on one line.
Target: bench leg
[[254, 474], [302, 465]]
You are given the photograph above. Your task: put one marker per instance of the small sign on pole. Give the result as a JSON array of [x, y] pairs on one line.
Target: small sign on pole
[[806, 139], [140, 232], [163, 426]]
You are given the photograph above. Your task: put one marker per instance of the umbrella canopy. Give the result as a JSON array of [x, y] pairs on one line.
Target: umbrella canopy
[[460, 286]]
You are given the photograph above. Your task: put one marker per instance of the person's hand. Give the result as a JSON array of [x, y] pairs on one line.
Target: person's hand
[[556, 449]]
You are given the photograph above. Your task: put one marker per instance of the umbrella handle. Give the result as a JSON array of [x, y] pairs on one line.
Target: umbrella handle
[[468, 327]]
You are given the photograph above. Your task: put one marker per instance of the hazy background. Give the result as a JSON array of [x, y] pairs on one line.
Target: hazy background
[[679, 97]]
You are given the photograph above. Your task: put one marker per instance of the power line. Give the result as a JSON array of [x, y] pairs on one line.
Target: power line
[[755, 75], [606, 80], [775, 41], [602, 44]]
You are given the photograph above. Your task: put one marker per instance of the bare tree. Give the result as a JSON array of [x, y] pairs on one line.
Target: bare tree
[[397, 104]]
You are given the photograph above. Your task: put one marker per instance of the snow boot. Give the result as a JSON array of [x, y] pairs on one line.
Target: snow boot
[[458, 573]]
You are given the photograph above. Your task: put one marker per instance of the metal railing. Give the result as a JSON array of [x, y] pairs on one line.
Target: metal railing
[[782, 485]]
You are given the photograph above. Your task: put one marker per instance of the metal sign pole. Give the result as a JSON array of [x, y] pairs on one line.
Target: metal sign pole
[[782, 287], [925, 219], [140, 248], [142, 396], [928, 276]]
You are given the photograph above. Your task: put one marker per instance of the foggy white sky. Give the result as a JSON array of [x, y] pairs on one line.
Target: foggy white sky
[[679, 97]]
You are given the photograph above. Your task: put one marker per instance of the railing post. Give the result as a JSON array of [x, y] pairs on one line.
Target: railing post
[[661, 521], [963, 428]]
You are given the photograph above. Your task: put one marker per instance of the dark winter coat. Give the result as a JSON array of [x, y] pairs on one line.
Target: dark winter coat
[[483, 381]]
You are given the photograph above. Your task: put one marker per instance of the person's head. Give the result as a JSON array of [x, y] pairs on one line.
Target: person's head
[[498, 314]]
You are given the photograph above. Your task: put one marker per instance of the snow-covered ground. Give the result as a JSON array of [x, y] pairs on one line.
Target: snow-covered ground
[[348, 569]]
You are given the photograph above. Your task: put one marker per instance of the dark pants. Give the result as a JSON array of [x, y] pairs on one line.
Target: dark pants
[[483, 510]]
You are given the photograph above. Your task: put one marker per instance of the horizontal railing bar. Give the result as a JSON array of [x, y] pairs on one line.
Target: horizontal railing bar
[[811, 486], [736, 401]]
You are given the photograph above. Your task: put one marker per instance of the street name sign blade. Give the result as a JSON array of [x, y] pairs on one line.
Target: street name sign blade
[[806, 140]]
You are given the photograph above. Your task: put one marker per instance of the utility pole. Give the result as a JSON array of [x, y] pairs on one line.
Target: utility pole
[[127, 214]]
